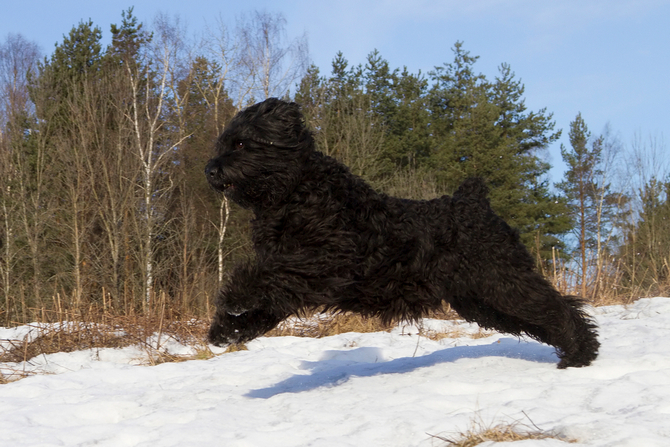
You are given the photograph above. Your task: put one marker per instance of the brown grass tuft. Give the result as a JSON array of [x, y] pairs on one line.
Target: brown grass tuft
[[455, 333], [236, 348], [8, 375], [319, 325], [156, 357], [480, 432]]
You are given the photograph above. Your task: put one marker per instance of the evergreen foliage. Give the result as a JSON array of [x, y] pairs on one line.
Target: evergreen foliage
[[444, 128]]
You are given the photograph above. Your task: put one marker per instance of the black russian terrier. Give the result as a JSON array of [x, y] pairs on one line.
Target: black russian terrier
[[324, 239]]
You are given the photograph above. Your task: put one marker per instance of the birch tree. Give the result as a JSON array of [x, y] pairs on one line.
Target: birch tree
[[149, 82], [271, 61], [18, 59]]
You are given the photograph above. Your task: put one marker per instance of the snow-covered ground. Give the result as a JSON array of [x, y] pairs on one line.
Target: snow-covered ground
[[379, 389]]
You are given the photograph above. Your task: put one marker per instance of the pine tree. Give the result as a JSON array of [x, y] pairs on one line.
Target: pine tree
[[593, 204], [128, 39], [482, 128], [398, 99], [77, 58]]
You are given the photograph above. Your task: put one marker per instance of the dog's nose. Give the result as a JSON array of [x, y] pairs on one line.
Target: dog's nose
[[211, 170]]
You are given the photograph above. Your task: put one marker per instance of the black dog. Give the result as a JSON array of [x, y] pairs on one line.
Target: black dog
[[325, 239]]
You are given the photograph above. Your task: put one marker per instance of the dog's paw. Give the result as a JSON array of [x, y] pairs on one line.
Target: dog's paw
[[222, 333], [235, 302], [230, 329]]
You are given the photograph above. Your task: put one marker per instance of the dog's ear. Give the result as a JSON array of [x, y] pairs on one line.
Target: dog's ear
[[281, 123]]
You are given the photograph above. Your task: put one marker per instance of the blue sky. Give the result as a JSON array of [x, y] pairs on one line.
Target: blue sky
[[608, 59]]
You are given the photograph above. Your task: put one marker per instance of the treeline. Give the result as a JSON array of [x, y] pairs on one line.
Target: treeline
[[103, 202]]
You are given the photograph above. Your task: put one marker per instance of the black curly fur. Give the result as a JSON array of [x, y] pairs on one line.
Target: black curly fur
[[324, 238]]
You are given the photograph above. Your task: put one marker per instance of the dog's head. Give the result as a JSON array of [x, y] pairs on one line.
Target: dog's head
[[260, 154]]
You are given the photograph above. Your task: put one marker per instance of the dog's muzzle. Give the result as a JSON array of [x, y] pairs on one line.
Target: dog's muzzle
[[215, 176]]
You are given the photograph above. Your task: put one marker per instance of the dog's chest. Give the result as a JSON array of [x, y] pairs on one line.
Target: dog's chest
[[280, 234], [295, 230]]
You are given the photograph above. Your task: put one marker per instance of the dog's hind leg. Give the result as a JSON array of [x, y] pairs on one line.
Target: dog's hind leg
[[532, 306], [575, 334]]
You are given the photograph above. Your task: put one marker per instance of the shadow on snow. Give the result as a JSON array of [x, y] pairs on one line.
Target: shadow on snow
[[336, 367]]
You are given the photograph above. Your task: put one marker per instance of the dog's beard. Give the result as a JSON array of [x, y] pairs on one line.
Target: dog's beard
[[259, 191], [244, 194]]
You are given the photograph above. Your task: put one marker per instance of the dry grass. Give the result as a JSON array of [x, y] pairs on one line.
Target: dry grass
[[317, 325], [67, 329], [480, 432], [157, 357], [604, 287], [8, 375], [148, 333], [66, 337], [323, 325], [98, 331], [455, 333], [236, 348]]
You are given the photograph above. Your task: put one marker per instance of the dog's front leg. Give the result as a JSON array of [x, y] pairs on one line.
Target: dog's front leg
[[247, 306], [227, 328]]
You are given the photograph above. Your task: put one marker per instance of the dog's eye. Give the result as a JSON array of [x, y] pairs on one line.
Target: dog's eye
[[238, 145]]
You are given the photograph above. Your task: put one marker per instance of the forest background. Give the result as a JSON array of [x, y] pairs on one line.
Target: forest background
[[104, 205]]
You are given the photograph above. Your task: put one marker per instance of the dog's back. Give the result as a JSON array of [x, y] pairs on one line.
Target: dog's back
[[473, 188]]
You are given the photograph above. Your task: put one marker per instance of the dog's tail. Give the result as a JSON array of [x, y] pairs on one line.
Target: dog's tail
[[473, 188]]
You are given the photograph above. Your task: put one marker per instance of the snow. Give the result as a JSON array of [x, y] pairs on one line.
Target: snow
[[377, 389]]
